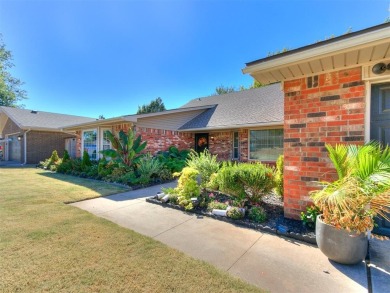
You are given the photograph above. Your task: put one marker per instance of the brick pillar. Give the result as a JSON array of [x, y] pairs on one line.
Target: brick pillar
[[328, 108]]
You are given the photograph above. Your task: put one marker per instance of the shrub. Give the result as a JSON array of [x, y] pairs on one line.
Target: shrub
[[65, 166], [187, 187], [66, 156], [148, 167], [257, 214], [86, 161], [250, 181], [165, 174], [213, 182], [234, 213], [173, 159], [279, 176], [217, 205], [310, 216], [52, 162], [126, 149], [205, 163]]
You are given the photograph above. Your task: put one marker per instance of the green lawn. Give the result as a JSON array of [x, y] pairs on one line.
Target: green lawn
[[48, 246]]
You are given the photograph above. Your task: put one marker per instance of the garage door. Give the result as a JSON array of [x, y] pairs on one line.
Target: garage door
[[14, 149]]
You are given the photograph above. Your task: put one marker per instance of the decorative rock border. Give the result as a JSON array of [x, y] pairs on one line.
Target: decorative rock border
[[280, 230]]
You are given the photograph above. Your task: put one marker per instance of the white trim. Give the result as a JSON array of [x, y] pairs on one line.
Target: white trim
[[367, 115], [367, 118], [82, 141], [365, 40], [249, 143]]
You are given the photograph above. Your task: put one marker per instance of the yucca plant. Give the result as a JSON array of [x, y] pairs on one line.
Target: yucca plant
[[362, 190], [126, 148]]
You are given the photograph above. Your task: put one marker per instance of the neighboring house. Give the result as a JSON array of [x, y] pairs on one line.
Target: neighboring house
[[28, 137], [245, 125], [335, 91]]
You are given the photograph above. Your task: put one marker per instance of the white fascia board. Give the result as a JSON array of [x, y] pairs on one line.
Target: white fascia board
[[236, 126], [360, 40]]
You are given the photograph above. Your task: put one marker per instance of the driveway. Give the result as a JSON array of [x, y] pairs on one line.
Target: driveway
[[268, 261]]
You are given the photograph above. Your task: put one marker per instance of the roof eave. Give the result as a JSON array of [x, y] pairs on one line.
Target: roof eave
[[233, 126], [309, 52]]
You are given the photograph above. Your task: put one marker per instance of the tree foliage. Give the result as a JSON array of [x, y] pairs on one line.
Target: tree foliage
[[10, 87], [221, 90], [156, 105]]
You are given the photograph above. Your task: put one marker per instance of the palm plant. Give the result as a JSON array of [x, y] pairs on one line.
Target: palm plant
[[362, 190], [126, 148]]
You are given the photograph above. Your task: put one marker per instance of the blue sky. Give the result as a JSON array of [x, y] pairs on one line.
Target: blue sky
[[107, 57]]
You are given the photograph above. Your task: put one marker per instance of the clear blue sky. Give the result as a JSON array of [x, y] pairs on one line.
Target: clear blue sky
[[107, 57]]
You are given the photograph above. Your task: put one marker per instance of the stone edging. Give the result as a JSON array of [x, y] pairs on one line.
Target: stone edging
[[255, 226]]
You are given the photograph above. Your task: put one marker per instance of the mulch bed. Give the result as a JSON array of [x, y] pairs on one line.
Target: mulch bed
[[276, 223]]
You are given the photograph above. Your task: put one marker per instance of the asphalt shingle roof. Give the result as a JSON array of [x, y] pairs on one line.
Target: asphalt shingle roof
[[42, 120], [244, 108]]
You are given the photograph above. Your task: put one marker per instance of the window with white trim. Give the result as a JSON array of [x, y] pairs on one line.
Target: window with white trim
[[90, 143], [106, 143], [265, 144]]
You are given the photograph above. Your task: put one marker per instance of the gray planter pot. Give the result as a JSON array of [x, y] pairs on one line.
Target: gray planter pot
[[340, 245]]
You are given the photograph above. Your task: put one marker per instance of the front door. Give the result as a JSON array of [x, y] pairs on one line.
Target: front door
[[380, 131], [201, 142]]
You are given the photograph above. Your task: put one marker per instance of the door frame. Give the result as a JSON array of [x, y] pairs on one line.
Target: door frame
[[367, 114]]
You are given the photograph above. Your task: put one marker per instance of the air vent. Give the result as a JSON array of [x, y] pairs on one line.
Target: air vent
[[34, 112]]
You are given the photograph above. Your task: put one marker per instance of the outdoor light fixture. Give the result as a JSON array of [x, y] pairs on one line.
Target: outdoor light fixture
[[20, 137], [380, 68]]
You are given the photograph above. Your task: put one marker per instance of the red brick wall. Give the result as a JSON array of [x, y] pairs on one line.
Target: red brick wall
[[220, 143], [328, 108], [161, 140]]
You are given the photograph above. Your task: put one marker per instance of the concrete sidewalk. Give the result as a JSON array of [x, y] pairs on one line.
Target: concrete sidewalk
[[268, 261]]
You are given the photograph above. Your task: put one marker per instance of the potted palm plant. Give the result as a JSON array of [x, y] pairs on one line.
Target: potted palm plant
[[350, 203]]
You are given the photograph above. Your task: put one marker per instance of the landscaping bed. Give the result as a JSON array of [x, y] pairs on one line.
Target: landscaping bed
[[276, 223]]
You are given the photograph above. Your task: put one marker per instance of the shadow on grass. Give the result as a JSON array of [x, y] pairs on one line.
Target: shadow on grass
[[100, 187]]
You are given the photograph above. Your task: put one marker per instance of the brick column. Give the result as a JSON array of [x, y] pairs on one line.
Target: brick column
[[328, 108]]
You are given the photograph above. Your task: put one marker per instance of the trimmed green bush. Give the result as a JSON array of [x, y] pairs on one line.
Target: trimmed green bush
[[66, 156], [86, 161], [257, 214], [235, 213], [246, 181], [187, 187], [217, 205]]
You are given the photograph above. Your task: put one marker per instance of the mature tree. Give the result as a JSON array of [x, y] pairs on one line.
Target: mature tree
[[156, 105], [10, 87]]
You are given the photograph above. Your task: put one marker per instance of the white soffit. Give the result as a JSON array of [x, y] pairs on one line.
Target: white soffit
[[362, 49]]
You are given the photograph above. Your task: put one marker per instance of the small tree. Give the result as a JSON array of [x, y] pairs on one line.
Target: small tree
[[86, 161], [126, 148], [66, 156]]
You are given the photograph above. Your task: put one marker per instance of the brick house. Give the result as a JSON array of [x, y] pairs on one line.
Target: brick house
[[335, 91], [244, 126], [28, 137]]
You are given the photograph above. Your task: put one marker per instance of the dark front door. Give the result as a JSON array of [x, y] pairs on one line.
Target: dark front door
[[380, 131], [201, 142]]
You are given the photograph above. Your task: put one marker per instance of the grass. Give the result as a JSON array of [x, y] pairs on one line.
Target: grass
[[48, 246]]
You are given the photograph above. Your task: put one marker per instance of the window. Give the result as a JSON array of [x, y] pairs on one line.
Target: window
[[236, 151], [106, 143], [265, 145], [89, 143]]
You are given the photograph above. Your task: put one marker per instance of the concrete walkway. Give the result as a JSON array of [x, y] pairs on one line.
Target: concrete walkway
[[270, 262]]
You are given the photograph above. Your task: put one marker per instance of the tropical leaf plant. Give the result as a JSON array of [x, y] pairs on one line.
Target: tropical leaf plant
[[126, 148], [362, 190]]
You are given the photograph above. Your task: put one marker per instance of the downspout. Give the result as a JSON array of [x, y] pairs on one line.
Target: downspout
[[25, 146]]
